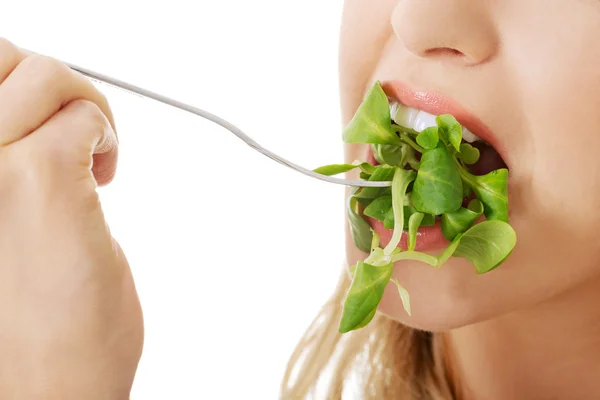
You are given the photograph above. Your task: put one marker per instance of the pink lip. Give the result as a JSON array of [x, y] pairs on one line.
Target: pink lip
[[436, 104], [428, 237]]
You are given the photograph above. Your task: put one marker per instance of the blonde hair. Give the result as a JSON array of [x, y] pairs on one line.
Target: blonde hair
[[384, 360]]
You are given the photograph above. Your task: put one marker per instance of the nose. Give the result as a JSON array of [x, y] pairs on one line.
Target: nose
[[457, 30]]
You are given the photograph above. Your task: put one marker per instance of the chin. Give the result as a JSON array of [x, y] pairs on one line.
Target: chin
[[443, 299]]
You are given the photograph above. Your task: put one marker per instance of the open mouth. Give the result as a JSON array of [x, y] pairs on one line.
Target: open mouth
[[415, 120], [418, 120]]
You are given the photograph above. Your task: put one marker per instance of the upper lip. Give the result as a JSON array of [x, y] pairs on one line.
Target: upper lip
[[437, 104]]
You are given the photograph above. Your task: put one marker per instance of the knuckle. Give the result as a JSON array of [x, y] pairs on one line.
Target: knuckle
[[102, 100], [7, 48], [9, 57], [89, 114], [84, 122], [44, 160], [47, 71], [62, 143]]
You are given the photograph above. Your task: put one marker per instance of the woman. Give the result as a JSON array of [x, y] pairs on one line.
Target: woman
[[70, 320], [528, 70]]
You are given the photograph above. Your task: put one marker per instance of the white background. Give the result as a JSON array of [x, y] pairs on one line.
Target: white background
[[232, 253]]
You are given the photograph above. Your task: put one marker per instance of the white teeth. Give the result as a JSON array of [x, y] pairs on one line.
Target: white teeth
[[424, 120], [468, 136], [402, 115], [419, 120]]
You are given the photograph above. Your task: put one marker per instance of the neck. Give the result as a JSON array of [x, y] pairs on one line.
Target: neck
[[551, 351]]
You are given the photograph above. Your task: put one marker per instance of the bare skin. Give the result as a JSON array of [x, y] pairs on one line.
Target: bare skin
[[528, 69], [70, 320]]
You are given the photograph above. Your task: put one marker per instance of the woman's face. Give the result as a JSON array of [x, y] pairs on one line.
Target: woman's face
[[530, 71]]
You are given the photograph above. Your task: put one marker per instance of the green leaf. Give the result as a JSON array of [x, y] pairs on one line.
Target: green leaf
[[367, 167], [459, 221], [379, 208], [448, 251], [382, 173], [413, 226], [389, 154], [452, 130], [364, 176], [402, 178], [372, 122], [364, 295], [487, 244], [367, 319], [334, 169], [388, 222], [468, 154], [428, 219], [428, 138], [467, 191], [352, 270], [393, 155], [408, 140], [438, 187], [404, 296], [411, 158], [476, 206], [361, 232], [492, 190]]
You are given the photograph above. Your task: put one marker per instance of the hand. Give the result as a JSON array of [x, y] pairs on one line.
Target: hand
[[70, 320]]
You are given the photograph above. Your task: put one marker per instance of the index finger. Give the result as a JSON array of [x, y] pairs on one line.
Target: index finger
[[35, 88]]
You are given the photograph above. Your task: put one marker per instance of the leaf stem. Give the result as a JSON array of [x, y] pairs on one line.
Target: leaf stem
[[406, 139], [416, 255], [411, 159], [404, 129], [375, 241], [400, 183], [377, 258], [464, 174]]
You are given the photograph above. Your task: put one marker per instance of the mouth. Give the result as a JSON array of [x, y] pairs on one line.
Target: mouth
[[417, 110]]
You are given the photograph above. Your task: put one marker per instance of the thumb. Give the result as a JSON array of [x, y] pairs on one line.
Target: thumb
[[80, 133]]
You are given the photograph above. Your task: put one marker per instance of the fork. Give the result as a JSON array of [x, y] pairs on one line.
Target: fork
[[95, 76]]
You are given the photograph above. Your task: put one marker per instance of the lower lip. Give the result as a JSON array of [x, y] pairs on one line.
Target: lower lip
[[429, 238]]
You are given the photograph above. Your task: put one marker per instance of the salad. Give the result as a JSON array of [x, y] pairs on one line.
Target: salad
[[432, 182]]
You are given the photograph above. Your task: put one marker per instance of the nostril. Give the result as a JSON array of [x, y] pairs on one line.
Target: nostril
[[443, 51]]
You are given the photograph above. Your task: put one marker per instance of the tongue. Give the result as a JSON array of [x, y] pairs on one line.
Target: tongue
[[489, 160]]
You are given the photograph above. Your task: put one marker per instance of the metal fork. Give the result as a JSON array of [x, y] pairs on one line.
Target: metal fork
[[225, 124]]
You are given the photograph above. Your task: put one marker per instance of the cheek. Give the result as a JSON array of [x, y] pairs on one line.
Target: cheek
[[559, 94], [561, 191], [364, 32]]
